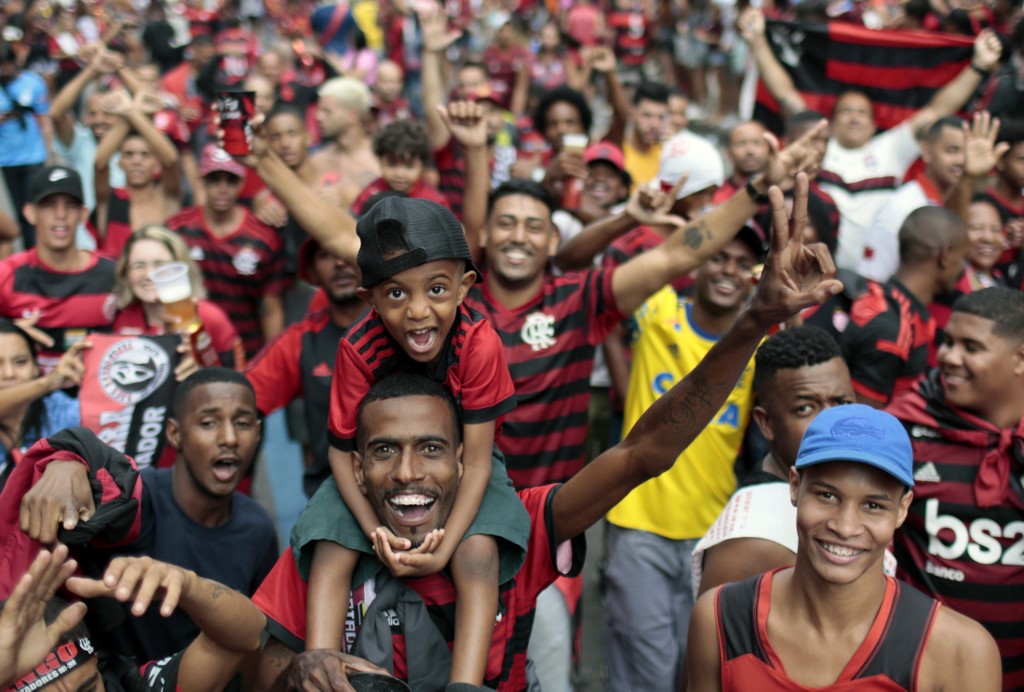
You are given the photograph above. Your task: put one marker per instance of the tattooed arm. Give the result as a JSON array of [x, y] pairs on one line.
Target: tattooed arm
[[230, 624], [795, 277], [687, 247]]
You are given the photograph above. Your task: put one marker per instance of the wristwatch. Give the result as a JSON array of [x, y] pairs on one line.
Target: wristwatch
[[756, 195]]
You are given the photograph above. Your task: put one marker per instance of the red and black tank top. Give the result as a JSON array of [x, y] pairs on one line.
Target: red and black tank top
[[887, 659]]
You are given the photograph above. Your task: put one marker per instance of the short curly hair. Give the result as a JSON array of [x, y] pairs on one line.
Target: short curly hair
[[790, 349], [403, 140], [561, 94]]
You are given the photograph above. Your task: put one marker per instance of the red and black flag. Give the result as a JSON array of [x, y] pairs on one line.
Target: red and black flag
[[899, 70]]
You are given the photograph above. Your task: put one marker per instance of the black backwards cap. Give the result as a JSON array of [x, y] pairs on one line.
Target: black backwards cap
[[428, 231]]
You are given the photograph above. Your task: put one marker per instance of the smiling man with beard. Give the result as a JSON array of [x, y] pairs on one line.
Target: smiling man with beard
[[300, 361]]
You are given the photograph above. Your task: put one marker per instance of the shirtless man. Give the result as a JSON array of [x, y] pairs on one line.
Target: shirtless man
[[145, 152], [834, 619], [346, 160]]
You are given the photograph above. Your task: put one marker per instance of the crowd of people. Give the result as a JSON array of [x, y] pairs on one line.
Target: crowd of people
[[784, 370]]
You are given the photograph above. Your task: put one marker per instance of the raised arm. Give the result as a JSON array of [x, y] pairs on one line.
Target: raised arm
[[101, 61], [602, 59], [230, 624], [981, 154], [25, 638], [795, 277], [436, 39], [333, 227], [688, 247], [773, 74], [465, 121], [952, 97]]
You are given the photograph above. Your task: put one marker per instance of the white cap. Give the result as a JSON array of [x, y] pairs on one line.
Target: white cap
[[694, 156]]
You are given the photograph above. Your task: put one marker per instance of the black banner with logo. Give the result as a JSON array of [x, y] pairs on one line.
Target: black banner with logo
[[127, 391]]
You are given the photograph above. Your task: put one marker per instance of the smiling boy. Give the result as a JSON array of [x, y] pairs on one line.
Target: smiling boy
[[834, 620]]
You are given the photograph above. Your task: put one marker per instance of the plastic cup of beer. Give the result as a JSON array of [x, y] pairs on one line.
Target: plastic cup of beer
[[575, 142], [174, 289]]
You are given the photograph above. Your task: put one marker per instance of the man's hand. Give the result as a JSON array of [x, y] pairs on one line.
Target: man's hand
[[140, 580], [569, 162], [600, 58], [258, 146], [437, 37], [981, 153], [798, 157], [751, 25], [466, 123], [25, 638], [987, 50], [649, 205], [70, 369], [60, 498], [402, 562], [326, 670], [118, 102], [795, 276], [147, 103]]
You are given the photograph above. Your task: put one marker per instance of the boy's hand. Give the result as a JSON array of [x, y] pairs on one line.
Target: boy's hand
[[401, 561], [465, 121]]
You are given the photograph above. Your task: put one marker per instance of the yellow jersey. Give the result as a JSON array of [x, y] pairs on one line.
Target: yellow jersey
[[642, 166], [684, 501]]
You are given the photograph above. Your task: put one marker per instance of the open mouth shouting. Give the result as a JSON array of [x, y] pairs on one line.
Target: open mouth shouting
[[411, 508]]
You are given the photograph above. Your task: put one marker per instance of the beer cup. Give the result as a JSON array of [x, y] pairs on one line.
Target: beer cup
[[174, 289]]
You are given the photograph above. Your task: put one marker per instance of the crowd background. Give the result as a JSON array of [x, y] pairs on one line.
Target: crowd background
[[361, 101]]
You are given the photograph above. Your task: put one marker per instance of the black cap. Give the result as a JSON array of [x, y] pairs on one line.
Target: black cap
[[428, 231], [55, 180]]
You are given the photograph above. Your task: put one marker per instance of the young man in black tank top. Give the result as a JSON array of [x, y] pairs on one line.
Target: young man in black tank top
[[835, 620]]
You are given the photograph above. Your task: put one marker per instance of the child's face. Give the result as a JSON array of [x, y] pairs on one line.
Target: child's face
[[418, 306], [401, 173]]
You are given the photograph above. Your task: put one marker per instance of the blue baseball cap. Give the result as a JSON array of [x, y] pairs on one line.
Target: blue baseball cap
[[856, 432]]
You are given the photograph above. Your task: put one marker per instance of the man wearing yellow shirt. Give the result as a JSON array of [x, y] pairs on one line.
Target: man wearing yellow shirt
[[654, 529]]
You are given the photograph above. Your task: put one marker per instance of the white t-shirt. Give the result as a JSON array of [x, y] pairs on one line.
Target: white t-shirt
[[881, 256], [861, 181]]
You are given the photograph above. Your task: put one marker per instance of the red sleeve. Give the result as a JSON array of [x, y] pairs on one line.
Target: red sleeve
[[276, 281], [274, 372], [350, 382], [600, 304], [481, 381], [222, 332], [282, 598]]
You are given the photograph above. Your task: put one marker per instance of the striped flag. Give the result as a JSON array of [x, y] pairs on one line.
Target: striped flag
[[898, 70]]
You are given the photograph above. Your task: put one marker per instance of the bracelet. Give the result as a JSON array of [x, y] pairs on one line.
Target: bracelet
[[757, 196], [983, 73]]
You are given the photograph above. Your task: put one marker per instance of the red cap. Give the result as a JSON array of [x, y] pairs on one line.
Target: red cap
[[215, 159], [487, 93], [605, 151]]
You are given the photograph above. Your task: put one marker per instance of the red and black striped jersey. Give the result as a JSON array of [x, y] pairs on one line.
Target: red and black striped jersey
[[70, 303], [963, 539], [549, 344], [421, 190], [111, 242], [282, 596], [238, 269], [472, 367], [886, 661], [299, 362], [632, 36], [885, 335]]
